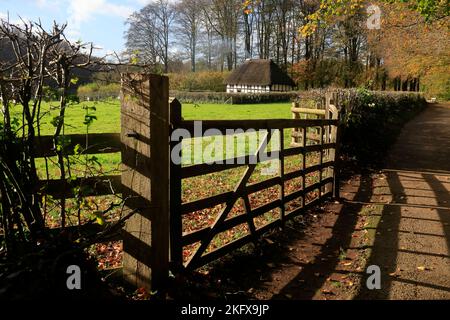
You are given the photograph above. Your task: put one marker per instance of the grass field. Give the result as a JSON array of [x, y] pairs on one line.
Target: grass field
[[108, 121], [108, 114]]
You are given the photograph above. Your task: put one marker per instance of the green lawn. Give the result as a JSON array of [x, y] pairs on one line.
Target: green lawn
[[108, 114], [244, 111], [108, 121]]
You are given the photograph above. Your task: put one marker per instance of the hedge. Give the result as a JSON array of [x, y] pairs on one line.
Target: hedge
[[232, 98], [373, 120], [97, 91]]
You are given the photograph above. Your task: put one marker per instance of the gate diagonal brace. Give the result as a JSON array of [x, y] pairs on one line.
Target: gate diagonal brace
[[241, 187]]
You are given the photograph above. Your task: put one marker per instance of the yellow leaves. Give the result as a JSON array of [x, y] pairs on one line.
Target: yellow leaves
[[246, 5], [99, 217], [308, 29], [396, 273], [423, 268]]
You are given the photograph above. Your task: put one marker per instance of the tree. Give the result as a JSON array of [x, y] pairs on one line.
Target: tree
[[413, 51], [39, 57], [223, 17], [147, 37], [189, 24]]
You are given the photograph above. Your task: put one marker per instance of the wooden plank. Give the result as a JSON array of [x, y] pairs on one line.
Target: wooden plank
[[266, 208], [96, 143], [217, 253], [321, 161], [212, 201], [226, 164], [91, 186], [312, 148], [281, 175], [176, 226], [198, 235], [309, 135], [304, 166], [135, 118], [318, 112], [205, 168], [303, 209], [301, 172], [252, 188], [204, 203], [296, 194], [258, 124], [160, 177], [145, 114], [337, 167]]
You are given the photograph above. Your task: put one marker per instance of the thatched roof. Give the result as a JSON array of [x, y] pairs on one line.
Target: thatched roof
[[259, 72]]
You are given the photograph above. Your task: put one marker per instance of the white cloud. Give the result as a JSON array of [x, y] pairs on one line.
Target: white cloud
[[14, 19], [41, 3], [81, 11], [45, 4]]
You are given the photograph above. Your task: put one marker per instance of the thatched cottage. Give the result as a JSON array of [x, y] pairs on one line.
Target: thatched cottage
[[259, 76]]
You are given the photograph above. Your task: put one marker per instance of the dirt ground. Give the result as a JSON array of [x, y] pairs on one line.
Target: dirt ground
[[397, 218]]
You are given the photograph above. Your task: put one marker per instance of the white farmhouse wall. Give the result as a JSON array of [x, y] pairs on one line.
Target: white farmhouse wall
[[256, 89]]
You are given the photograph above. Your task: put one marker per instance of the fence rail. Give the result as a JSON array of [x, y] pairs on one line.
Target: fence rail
[[93, 143]]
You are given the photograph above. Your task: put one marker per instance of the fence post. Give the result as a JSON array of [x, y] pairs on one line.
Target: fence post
[[337, 157], [145, 178], [176, 228]]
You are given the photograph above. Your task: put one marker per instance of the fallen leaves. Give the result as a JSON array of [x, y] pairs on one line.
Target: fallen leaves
[[396, 273], [423, 268]]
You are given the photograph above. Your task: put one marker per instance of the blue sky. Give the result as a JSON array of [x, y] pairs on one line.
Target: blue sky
[[97, 21]]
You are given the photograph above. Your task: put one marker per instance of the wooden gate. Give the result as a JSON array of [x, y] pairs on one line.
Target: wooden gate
[[317, 173], [160, 234]]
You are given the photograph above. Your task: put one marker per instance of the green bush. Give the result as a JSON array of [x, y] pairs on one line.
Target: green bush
[[198, 81], [97, 91], [373, 120], [232, 98]]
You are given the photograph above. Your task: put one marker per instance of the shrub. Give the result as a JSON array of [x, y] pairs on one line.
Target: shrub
[[198, 81], [97, 91], [232, 98], [372, 121]]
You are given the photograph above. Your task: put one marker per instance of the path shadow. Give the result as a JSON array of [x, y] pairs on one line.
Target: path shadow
[[315, 274], [400, 264], [443, 201], [254, 269], [383, 251]]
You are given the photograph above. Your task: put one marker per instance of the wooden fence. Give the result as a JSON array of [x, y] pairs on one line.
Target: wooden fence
[[154, 238], [325, 110]]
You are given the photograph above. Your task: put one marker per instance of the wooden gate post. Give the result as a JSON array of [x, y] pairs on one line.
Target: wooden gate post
[[145, 179], [176, 248]]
